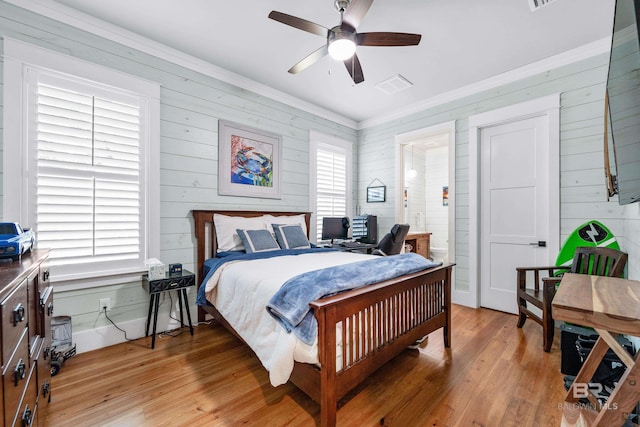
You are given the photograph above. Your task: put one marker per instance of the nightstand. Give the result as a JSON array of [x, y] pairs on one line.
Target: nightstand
[[170, 282]]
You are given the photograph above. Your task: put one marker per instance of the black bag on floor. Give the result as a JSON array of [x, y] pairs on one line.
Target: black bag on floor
[[611, 368]]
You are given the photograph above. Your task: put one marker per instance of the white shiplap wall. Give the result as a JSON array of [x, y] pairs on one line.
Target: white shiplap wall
[[191, 105], [416, 188], [437, 215], [631, 241], [582, 192]]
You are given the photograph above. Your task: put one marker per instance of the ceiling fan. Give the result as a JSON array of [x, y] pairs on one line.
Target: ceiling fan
[[343, 38]]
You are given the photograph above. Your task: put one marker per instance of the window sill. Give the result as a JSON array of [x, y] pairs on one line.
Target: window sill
[[65, 285]]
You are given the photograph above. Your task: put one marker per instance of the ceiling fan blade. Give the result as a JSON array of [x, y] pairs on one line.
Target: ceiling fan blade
[[387, 39], [354, 68], [299, 23], [310, 59], [355, 12]]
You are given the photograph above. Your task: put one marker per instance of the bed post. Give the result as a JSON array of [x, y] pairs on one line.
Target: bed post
[[446, 331], [327, 359], [199, 227], [200, 219]]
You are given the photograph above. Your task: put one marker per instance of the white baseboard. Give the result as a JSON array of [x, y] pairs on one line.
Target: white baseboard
[[104, 336]]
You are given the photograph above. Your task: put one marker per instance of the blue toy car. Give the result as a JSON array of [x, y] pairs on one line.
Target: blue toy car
[[15, 240]]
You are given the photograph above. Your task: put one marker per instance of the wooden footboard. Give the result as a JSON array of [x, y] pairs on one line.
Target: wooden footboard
[[376, 324], [362, 329]]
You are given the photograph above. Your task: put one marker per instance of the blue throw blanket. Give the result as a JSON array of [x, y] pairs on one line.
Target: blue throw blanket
[[290, 305]]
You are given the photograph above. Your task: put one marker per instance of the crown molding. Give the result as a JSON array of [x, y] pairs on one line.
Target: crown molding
[[85, 22], [583, 52], [117, 34]]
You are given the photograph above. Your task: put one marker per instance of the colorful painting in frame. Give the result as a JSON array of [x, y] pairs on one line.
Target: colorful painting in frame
[[249, 161]]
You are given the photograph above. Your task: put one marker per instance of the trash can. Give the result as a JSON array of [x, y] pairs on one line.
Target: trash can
[[61, 331]]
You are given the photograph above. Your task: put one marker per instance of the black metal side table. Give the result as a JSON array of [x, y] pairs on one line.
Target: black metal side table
[[170, 282]]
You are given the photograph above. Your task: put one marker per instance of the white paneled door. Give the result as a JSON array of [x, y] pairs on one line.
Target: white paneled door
[[514, 202]]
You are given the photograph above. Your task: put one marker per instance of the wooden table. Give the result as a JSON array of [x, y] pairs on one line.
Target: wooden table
[[610, 306]]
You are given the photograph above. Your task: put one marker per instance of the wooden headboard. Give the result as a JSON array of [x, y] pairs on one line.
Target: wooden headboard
[[205, 231]]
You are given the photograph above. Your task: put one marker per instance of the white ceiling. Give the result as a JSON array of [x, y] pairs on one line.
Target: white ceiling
[[464, 42]]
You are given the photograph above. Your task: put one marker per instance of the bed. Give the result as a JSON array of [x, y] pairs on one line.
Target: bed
[[358, 330]]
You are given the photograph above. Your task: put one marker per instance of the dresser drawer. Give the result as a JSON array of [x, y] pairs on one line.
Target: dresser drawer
[[14, 378], [27, 410], [15, 314], [42, 364], [45, 311], [43, 279], [34, 306], [169, 283]]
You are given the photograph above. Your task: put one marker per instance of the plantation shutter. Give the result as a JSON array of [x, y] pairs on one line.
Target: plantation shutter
[[331, 187], [88, 206]]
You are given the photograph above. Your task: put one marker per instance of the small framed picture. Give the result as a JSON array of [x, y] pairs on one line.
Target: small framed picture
[[376, 194]]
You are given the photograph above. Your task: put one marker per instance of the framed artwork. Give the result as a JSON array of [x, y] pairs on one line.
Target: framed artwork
[[376, 194], [249, 161]]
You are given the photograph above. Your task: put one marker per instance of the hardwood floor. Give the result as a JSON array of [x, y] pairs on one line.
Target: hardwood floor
[[494, 375]]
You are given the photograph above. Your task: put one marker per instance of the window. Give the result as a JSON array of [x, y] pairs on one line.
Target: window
[[89, 165], [331, 178]]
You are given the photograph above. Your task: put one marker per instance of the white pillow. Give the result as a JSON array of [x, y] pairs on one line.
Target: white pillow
[[287, 220], [226, 226]]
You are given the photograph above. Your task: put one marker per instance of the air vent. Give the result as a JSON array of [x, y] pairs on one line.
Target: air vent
[[537, 4], [394, 84]]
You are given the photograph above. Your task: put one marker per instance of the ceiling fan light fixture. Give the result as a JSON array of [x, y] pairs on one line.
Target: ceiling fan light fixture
[[342, 45]]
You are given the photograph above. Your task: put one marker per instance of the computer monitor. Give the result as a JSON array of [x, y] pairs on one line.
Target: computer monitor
[[335, 228]]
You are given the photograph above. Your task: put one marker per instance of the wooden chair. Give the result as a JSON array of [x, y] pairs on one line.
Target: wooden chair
[[537, 285]]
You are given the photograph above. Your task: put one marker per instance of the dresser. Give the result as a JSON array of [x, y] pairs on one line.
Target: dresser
[[420, 243], [26, 307]]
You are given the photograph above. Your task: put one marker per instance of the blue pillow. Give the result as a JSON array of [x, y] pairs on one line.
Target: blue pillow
[[291, 236], [257, 241]]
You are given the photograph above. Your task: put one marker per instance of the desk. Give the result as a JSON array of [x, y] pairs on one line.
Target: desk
[[610, 306], [362, 247], [169, 282]]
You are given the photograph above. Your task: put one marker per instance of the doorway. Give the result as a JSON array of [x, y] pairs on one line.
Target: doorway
[[426, 180], [514, 197]]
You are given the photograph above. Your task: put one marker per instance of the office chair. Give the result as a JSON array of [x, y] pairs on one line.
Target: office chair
[[391, 243]]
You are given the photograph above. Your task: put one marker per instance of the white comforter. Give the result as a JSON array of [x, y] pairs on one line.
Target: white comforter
[[240, 291]]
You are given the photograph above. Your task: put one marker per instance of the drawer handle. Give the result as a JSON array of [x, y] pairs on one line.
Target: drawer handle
[[20, 372], [18, 314], [45, 275], [46, 390], [50, 309], [27, 417], [46, 352]]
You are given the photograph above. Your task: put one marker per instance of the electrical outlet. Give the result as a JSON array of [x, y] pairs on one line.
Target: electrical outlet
[[105, 303]]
